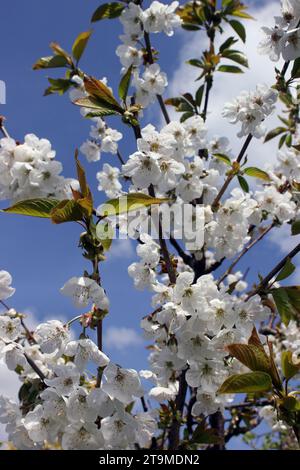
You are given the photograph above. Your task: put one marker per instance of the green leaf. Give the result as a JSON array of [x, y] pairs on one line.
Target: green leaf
[[243, 184], [80, 44], [58, 85], [97, 90], [204, 435], [282, 303], [108, 11], [81, 177], [274, 133], [228, 43], [223, 158], [199, 95], [287, 300], [67, 210], [296, 227], [190, 27], [289, 369], [33, 207], [99, 109], [124, 84], [282, 140], [226, 2], [127, 203], [236, 56], [256, 173], [105, 235], [241, 14], [290, 403], [247, 383], [252, 356], [229, 69], [186, 116], [289, 140], [58, 50], [174, 102], [51, 62], [286, 271], [195, 63], [239, 29], [296, 69]]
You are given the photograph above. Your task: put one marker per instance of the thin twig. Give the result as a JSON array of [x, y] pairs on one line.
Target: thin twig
[[244, 252], [150, 60], [208, 87], [122, 161], [174, 434], [36, 369], [2, 127], [232, 175], [264, 283], [243, 151], [143, 402], [186, 258], [247, 404]]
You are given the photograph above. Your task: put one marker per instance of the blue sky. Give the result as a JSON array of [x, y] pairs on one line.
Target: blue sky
[[41, 257]]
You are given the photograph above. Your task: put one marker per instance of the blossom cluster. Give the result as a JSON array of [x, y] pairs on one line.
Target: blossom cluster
[[70, 410], [283, 39], [250, 109], [157, 18], [29, 170], [191, 328]]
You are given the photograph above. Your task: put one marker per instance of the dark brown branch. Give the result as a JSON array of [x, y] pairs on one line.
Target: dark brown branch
[[150, 60], [2, 127], [242, 152], [217, 422], [264, 283], [208, 87], [36, 369], [186, 258], [231, 176], [143, 402], [121, 160], [174, 434], [244, 252], [248, 404]]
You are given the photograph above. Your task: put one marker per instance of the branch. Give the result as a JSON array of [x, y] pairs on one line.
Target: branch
[[36, 369], [246, 404], [264, 283], [209, 84], [174, 434], [2, 127], [186, 258], [241, 154], [151, 61], [217, 423], [121, 160], [244, 252], [231, 176]]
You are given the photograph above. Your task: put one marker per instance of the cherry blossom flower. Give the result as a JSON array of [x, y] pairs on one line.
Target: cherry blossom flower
[[122, 384], [84, 290]]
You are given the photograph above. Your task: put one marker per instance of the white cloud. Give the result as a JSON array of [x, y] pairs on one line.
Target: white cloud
[[121, 248], [228, 86], [282, 238], [121, 338]]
